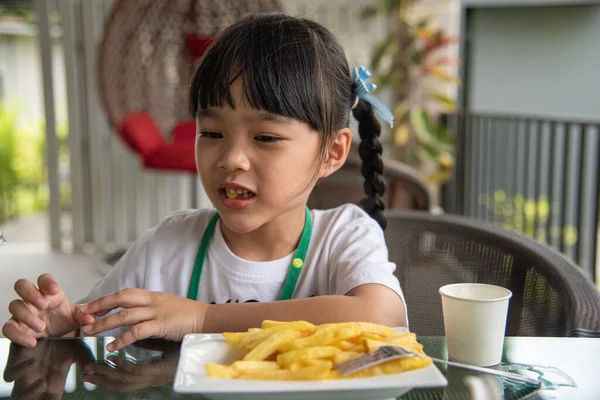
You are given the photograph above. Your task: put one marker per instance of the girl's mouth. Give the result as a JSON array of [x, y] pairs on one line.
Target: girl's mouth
[[237, 194]]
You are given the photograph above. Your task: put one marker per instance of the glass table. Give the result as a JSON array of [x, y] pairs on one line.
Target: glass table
[[60, 368]]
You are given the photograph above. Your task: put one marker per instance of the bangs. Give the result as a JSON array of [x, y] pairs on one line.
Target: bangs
[[278, 67]]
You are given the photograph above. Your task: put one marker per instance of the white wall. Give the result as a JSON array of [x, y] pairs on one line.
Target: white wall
[[541, 60]]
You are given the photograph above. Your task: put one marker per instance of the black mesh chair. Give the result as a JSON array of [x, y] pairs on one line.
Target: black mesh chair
[[551, 295]]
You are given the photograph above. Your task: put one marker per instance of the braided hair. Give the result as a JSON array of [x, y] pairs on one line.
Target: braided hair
[[296, 68], [370, 151]]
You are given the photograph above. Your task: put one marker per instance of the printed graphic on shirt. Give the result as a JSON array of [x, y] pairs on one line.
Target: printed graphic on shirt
[[237, 301], [246, 301]]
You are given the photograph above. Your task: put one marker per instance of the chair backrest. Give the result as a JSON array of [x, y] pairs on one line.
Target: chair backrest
[[406, 188], [551, 295]]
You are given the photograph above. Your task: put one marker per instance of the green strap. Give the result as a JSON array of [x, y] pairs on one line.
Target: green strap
[[195, 281], [298, 261], [293, 274]]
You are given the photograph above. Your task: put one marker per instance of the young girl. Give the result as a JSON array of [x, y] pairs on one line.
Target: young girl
[[272, 99]]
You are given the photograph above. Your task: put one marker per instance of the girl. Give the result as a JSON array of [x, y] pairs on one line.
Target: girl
[[272, 99]]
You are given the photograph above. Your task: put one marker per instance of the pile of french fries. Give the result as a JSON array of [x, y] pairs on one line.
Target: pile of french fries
[[300, 350]]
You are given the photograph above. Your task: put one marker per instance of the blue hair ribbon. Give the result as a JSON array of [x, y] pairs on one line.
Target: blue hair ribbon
[[364, 90]]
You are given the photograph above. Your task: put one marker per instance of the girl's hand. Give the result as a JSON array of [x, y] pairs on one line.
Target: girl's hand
[[152, 314], [42, 311]]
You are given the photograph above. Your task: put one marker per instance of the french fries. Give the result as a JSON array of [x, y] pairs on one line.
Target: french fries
[[299, 350]]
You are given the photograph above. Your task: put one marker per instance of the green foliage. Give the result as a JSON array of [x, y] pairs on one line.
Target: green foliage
[[23, 183], [26, 14], [529, 216], [22, 14], [408, 63], [8, 171]]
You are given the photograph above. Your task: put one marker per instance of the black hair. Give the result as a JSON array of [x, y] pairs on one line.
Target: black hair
[[296, 68]]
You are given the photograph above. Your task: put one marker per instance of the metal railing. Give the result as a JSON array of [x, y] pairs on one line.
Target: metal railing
[[532, 174]]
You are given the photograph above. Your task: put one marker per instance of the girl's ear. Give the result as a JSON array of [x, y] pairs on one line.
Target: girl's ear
[[337, 152]]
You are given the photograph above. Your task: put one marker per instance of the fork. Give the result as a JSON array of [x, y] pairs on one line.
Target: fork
[[388, 353]]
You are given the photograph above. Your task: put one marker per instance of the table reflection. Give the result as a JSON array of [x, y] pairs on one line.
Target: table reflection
[[67, 368]]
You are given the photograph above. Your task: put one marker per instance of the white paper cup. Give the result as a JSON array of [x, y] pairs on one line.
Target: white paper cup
[[475, 322]]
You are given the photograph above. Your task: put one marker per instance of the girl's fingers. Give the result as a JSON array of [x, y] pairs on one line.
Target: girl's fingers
[[137, 332], [12, 332], [83, 319], [29, 293], [20, 312], [48, 285], [127, 298], [125, 317]]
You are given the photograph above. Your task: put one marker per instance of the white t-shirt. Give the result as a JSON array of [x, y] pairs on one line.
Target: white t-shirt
[[347, 249]]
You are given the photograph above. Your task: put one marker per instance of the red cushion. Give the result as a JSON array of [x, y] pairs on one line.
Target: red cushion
[[185, 131], [174, 157], [196, 45], [141, 133]]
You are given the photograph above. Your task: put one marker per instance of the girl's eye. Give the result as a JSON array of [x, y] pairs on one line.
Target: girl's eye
[[267, 139], [210, 135]]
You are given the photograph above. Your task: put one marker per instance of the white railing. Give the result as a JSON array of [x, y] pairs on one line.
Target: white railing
[[113, 198]]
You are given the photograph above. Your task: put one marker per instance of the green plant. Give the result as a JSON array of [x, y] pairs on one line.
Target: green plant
[[408, 63], [8, 172], [23, 184], [24, 14]]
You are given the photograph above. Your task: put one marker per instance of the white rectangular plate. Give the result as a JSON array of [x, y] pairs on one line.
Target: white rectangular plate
[[200, 349]]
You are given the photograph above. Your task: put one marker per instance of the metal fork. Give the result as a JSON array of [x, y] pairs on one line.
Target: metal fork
[[388, 353]]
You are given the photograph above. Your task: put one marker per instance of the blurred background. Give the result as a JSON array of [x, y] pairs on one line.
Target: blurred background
[[497, 107]]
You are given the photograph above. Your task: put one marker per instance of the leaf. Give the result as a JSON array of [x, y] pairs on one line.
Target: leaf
[[401, 110], [424, 23], [401, 135], [446, 61], [391, 6], [444, 135], [421, 123], [392, 77], [424, 154], [430, 133], [416, 57], [439, 177], [448, 103], [446, 160], [382, 49], [368, 12], [442, 74]]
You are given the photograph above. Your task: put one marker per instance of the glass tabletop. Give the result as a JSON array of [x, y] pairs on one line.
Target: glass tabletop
[[82, 368]]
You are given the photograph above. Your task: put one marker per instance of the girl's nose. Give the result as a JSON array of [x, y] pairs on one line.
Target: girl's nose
[[233, 159]]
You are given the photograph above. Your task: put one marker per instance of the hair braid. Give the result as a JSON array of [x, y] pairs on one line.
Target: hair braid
[[370, 151]]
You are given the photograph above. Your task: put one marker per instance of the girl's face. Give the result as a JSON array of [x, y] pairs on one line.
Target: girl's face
[[255, 166]]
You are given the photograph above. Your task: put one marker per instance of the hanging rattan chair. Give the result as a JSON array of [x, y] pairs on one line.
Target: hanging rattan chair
[[145, 62]]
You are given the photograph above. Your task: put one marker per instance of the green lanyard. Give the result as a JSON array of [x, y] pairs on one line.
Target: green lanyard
[[293, 273]]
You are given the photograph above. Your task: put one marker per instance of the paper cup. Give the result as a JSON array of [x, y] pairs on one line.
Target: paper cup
[[475, 322]]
